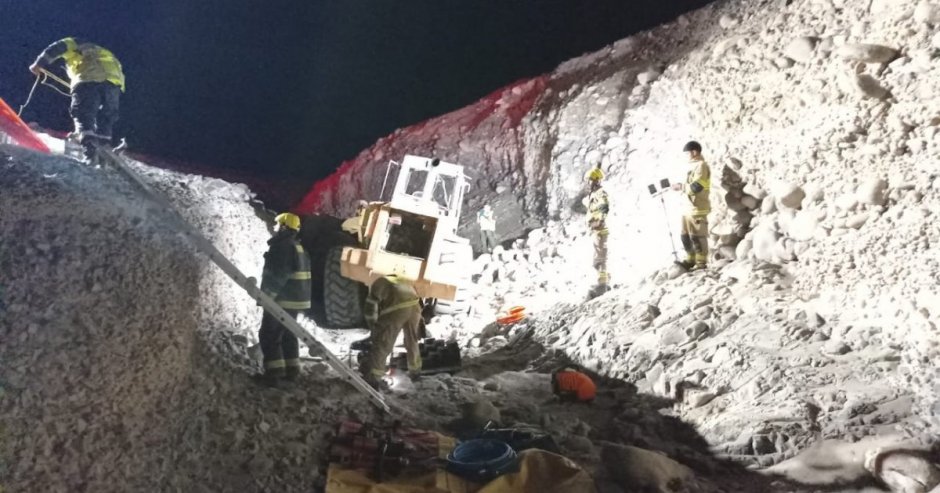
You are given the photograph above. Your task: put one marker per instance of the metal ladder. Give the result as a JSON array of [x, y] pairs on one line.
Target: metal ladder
[[201, 243]]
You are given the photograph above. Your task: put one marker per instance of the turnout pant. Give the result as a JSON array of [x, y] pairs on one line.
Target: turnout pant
[[279, 346], [95, 107], [600, 255], [695, 238], [385, 332], [488, 240]]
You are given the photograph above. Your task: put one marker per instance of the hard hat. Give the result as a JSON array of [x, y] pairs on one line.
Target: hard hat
[[692, 146], [594, 174], [289, 220]]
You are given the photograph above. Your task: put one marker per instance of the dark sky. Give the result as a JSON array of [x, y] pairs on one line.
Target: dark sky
[[289, 89]]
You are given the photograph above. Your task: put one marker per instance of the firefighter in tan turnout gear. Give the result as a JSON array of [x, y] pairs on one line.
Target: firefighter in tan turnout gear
[[598, 205], [697, 186], [392, 306], [286, 279]]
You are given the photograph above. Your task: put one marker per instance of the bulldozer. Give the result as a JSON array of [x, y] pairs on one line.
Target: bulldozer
[[413, 235]]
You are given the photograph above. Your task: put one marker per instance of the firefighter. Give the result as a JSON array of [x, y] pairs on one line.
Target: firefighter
[[286, 279], [598, 205], [97, 82], [697, 187], [392, 305], [487, 222]]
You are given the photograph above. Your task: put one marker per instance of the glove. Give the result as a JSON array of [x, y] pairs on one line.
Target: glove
[[35, 69]]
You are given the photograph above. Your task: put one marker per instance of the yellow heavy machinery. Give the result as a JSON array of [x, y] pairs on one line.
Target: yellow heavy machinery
[[413, 235]]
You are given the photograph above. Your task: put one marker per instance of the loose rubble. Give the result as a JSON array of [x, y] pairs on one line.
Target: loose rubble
[[808, 349]]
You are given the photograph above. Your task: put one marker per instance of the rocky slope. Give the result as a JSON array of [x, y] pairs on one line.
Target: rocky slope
[[125, 360], [820, 119]]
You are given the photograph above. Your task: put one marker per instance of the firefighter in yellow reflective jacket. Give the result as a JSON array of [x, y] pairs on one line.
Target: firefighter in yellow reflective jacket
[[286, 278], [97, 82], [697, 187], [598, 205], [392, 306]]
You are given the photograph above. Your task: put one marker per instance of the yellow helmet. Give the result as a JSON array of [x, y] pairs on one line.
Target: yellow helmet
[[594, 174], [289, 220]]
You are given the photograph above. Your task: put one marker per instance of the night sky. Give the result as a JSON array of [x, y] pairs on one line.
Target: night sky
[[289, 89]]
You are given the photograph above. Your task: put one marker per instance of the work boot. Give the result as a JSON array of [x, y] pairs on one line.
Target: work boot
[[698, 267], [291, 373], [377, 383], [597, 290], [267, 380], [685, 264]]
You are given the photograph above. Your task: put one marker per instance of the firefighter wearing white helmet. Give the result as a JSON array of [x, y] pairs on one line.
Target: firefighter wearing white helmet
[[598, 205], [286, 279]]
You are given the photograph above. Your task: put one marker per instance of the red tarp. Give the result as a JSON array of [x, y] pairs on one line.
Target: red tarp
[[13, 126]]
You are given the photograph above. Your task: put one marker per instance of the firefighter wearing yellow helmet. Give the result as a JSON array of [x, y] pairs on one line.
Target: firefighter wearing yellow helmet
[[286, 279], [598, 205]]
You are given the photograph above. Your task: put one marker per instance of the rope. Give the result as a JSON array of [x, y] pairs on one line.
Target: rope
[[30, 97], [55, 88]]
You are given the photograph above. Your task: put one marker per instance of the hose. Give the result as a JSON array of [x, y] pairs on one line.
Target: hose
[[481, 460]]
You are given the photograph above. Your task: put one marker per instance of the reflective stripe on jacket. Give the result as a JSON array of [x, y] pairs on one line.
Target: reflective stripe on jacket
[[387, 295], [698, 185], [598, 206], [286, 276], [85, 62]]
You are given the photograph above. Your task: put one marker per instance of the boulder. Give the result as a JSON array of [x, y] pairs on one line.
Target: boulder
[[867, 53], [869, 87], [637, 469], [927, 12], [903, 470], [803, 227], [789, 194], [856, 221], [872, 191], [750, 202], [648, 77], [727, 21], [801, 49], [764, 240]]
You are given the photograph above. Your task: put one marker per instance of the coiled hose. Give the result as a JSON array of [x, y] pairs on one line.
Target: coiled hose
[[481, 460]]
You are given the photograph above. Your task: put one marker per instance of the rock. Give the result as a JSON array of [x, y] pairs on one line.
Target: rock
[[847, 202], [744, 248], [872, 191], [927, 12], [727, 21], [856, 221], [751, 203], [803, 227], [637, 469], [935, 40], [579, 444], [697, 398], [648, 77], [789, 194], [696, 331], [867, 53], [903, 471], [834, 346], [478, 413], [869, 87], [801, 49]]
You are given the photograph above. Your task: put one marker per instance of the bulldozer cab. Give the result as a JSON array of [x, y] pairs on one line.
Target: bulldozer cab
[[414, 233]]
